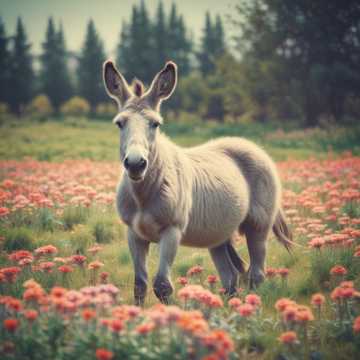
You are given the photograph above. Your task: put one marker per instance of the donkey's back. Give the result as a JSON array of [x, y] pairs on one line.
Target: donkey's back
[[235, 184]]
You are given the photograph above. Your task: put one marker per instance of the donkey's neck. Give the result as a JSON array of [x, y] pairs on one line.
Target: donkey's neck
[[159, 159]]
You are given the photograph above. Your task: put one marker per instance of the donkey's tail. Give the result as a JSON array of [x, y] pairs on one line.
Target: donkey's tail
[[282, 231]]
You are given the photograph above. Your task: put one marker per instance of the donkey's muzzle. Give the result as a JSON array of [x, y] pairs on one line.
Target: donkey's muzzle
[[135, 168]]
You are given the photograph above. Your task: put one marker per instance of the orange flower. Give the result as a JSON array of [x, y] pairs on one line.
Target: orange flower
[[144, 329], [31, 315], [283, 303], [10, 273], [46, 250], [11, 324], [289, 314], [4, 211], [234, 302], [317, 299], [303, 314], [356, 325], [94, 265], [88, 314], [338, 270], [197, 269], [288, 337], [103, 354]]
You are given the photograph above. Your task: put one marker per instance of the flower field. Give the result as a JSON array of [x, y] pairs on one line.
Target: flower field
[[66, 274]]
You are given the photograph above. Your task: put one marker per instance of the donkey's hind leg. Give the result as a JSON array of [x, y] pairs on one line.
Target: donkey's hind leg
[[225, 267], [256, 242], [235, 258]]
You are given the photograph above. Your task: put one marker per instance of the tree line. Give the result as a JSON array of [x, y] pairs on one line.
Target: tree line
[[144, 46], [293, 60]]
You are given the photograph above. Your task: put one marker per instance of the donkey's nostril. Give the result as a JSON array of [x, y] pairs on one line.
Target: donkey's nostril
[[142, 164], [126, 163]]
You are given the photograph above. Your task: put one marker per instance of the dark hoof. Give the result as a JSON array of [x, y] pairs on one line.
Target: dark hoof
[[162, 289], [256, 277]]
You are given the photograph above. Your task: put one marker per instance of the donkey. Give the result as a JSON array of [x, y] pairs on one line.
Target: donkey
[[195, 197]]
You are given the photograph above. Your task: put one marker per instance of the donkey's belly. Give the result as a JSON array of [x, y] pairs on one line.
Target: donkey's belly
[[220, 204]]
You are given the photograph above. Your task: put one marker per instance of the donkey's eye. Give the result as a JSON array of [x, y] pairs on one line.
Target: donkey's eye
[[119, 124], [154, 124]]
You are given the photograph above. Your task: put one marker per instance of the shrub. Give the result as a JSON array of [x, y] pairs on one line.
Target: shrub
[[74, 215], [105, 109], [40, 107], [75, 106], [17, 239]]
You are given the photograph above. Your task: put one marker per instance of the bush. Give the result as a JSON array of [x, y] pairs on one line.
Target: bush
[[17, 239], [40, 107], [75, 106], [106, 109]]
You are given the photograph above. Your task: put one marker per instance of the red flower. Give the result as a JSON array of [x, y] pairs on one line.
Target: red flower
[[283, 272], [88, 314], [31, 315], [11, 324], [270, 272], [4, 211], [116, 325], [94, 265], [197, 269], [245, 310], [212, 279], [65, 269], [182, 280], [338, 270], [234, 302], [288, 337], [253, 300], [78, 259], [317, 299], [10, 273], [103, 354], [356, 325]]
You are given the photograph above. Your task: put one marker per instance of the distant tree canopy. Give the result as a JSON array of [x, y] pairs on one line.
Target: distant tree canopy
[[145, 44], [311, 48], [21, 75], [54, 75], [89, 71]]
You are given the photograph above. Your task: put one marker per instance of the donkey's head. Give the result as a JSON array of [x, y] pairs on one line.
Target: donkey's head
[[139, 114]]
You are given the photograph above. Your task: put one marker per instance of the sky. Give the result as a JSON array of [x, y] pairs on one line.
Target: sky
[[107, 14]]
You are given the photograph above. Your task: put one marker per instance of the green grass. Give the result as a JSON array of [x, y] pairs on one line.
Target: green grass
[[99, 140]]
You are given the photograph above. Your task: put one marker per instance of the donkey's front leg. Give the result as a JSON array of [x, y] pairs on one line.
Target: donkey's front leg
[[139, 249], [168, 245]]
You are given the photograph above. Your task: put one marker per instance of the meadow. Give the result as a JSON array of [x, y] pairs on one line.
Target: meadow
[[66, 276]]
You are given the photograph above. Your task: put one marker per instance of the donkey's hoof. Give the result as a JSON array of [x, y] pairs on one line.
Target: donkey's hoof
[[163, 289], [256, 277]]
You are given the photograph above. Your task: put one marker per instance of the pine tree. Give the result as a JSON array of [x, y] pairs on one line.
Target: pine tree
[[161, 43], [212, 44], [206, 55], [219, 37], [179, 46], [90, 64], [64, 81], [21, 75], [4, 64]]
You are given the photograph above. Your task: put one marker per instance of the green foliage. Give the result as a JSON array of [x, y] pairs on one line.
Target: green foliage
[[75, 106], [40, 107], [54, 76], [5, 56], [17, 238], [21, 71], [145, 44], [102, 227], [73, 215], [90, 83]]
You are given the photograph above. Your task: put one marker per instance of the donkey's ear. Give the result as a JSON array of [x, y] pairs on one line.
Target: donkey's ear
[[115, 84], [163, 85]]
